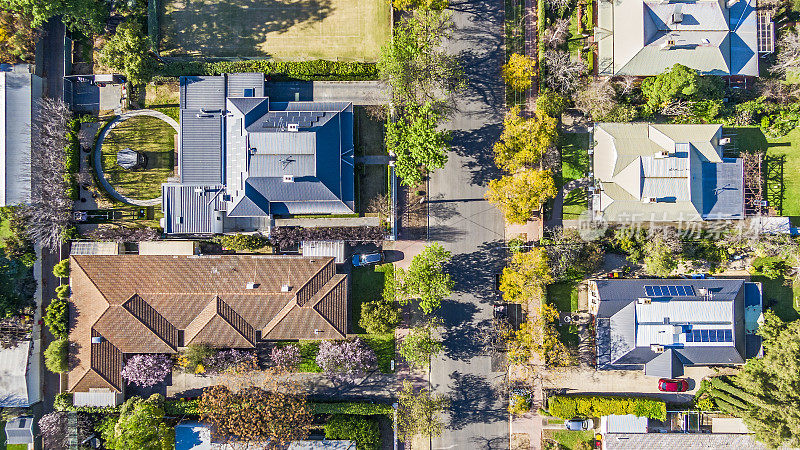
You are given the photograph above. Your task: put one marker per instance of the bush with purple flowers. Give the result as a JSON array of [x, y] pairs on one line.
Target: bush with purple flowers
[[287, 357], [147, 370], [230, 361], [345, 361]]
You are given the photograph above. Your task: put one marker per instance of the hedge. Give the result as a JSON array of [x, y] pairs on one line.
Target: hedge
[[567, 407], [721, 384], [55, 356], [56, 317], [353, 408], [363, 430], [153, 23], [278, 70]]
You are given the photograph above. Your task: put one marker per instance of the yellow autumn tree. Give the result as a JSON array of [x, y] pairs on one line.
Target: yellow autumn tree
[[519, 195], [524, 140], [519, 71], [525, 276]]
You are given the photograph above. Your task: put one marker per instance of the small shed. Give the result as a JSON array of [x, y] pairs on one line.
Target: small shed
[[325, 248], [130, 159], [96, 248], [19, 430]]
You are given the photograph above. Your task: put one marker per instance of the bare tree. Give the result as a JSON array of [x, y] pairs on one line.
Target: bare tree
[[775, 90], [626, 84], [125, 234], [562, 74], [788, 58], [49, 211], [596, 99], [557, 33], [557, 5], [677, 107]]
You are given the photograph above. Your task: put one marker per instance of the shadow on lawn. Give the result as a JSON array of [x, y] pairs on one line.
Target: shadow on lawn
[[773, 175], [236, 27]]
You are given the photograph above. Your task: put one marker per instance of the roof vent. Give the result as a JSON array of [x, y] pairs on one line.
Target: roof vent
[[97, 339], [650, 200], [292, 127], [198, 190], [251, 285], [668, 44], [288, 178], [644, 300], [317, 331], [661, 154], [286, 288]]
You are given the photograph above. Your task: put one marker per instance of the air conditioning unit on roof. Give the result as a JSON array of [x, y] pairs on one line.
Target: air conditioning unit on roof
[[644, 300], [288, 178], [292, 127], [657, 348]]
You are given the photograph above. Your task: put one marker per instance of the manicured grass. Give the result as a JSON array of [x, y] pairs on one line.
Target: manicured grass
[[5, 231], [563, 295], [17, 447], [164, 97], [152, 137], [575, 204], [372, 183], [367, 285], [279, 29], [781, 296], [568, 439], [782, 164], [574, 156]]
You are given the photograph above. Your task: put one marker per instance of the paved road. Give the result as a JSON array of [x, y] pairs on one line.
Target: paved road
[[473, 231], [53, 54]]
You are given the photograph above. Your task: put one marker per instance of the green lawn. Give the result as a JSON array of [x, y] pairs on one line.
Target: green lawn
[[279, 29], [574, 156], [568, 439], [564, 296], [164, 97], [152, 137], [5, 231], [17, 447], [575, 204], [782, 165], [382, 344]]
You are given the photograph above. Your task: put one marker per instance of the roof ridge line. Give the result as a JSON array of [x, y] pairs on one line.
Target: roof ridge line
[[91, 280], [344, 278], [287, 308], [221, 301], [175, 347]]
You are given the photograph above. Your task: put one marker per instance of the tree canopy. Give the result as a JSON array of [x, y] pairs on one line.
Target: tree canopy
[[526, 274], [524, 141], [407, 5], [419, 412], [140, 425], [128, 51], [425, 279], [419, 346], [520, 195], [679, 83], [86, 16], [416, 143], [519, 71]]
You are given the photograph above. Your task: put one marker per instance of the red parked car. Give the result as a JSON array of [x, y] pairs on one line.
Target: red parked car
[[667, 385]]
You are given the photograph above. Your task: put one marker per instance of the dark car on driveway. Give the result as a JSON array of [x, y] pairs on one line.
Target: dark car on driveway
[[676, 385], [365, 259]]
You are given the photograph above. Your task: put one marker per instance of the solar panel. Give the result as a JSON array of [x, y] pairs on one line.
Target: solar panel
[[689, 336], [696, 335], [704, 335], [669, 291]]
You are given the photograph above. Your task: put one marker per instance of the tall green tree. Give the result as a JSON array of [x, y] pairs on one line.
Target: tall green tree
[[679, 83], [425, 279], [128, 51], [526, 275], [86, 16], [419, 412], [416, 143], [419, 346], [774, 382], [524, 140], [140, 426]]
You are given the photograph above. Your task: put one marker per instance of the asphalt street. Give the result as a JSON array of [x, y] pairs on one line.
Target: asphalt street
[[472, 230]]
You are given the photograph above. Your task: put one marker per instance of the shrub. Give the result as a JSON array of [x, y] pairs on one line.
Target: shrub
[[61, 270], [344, 361], [244, 241], [518, 405], [551, 103], [379, 316], [277, 70], [363, 430], [770, 267], [706, 404], [55, 356], [231, 361], [287, 357], [284, 237], [63, 401], [56, 317], [62, 291], [147, 370], [180, 407], [192, 358], [567, 407]]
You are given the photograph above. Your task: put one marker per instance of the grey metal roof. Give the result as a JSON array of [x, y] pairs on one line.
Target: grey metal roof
[[238, 83], [723, 191], [19, 430], [19, 92], [202, 93], [666, 365], [191, 209], [683, 441], [246, 207], [628, 328], [201, 148]]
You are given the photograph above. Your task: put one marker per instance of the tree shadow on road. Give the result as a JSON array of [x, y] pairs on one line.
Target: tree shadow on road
[[476, 147], [473, 400], [474, 273]]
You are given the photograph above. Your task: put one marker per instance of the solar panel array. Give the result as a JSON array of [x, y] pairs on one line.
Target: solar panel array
[[280, 119], [669, 291], [709, 336]]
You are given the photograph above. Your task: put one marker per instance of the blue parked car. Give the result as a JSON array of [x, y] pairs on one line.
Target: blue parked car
[[365, 259]]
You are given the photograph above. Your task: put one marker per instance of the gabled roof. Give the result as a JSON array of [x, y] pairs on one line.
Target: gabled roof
[[155, 304]]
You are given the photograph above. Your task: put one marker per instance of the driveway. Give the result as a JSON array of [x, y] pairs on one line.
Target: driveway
[[473, 230], [358, 92]]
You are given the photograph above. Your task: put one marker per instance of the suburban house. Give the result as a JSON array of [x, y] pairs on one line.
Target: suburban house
[[192, 435], [664, 173], [243, 159], [19, 92], [662, 325], [714, 37], [129, 304]]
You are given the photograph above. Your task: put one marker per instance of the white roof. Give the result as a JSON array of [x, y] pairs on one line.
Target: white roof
[[19, 375], [167, 247], [19, 91], [325, 248], [733, 425], [95, 248], [627, 423]]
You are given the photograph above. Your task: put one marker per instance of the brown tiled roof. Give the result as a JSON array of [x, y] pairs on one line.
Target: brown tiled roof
[[142, 303]]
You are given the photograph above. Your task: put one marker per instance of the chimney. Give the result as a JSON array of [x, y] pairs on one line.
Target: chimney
[[286, 288], [251, 285]]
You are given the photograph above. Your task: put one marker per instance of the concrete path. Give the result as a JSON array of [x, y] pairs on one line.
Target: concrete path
[[98, 154], [359, 92], [472, 230]]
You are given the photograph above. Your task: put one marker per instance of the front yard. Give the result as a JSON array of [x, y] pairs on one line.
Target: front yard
[[569, 440], [574, 166]]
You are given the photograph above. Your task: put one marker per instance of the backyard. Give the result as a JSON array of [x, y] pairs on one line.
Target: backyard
[[782, 167], [279, 29], [564, 297], [153, 138], [371, 179], [574, 166]]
